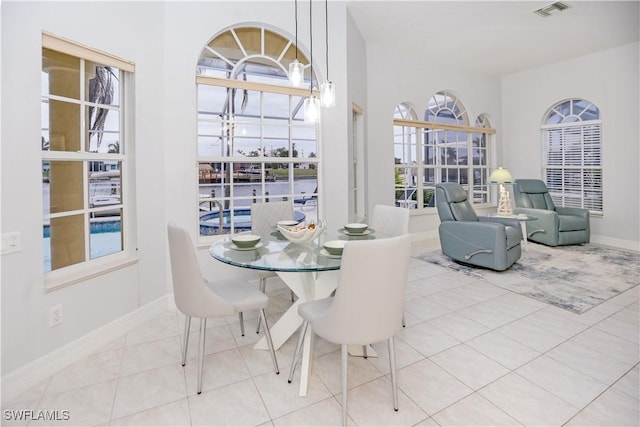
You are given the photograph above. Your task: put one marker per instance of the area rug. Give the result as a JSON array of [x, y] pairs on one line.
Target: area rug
[[575, 278]]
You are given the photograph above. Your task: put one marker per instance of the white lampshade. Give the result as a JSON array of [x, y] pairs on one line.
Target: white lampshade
[[296, 73], [312, 109], [501, 176], [328, 94]]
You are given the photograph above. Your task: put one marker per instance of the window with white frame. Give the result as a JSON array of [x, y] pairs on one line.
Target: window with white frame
[[442, 148], [253, 144], [572, 154], [84, 148]]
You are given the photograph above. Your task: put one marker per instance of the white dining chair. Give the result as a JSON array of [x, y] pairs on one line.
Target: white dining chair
[[264, 216], [195, 297], [367, 306], [390, 221]]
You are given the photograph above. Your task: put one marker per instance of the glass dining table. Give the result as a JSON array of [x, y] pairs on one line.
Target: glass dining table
[[306, 268]]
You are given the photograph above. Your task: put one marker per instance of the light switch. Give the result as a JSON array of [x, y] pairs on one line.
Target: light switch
[[10, 243]]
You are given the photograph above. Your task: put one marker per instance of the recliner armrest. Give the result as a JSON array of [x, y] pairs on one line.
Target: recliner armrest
[[584, 213], [512, 222]]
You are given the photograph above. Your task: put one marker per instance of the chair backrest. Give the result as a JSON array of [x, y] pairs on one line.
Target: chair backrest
[[264, 216], [369, 299], [453, 204], [390, 220], [190, 291], [532, 193]]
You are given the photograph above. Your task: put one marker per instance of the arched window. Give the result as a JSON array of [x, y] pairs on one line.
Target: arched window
[[572, 154], [253, 144], [455, 152], [441, 148]]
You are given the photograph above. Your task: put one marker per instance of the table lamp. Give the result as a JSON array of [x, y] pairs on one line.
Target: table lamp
[[502, 176]]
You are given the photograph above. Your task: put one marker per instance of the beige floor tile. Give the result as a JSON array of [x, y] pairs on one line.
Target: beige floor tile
[[146, 390], [360, 371], [427, 339], [237, 404], [151, 355], [218, 369], [474, 410], [93, 369], [371, 404], [527, 403], [431, 387], [469, 366], [171, 414], [570, 385], [458, 326], [611, 345], [163, 326], [86, 406], [327, 412], [610, 409], [425, 308], [629, 384], [597, 365], [504, 350]]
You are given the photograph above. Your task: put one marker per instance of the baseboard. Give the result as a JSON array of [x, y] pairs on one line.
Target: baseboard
[[616, 243], [20, 380]]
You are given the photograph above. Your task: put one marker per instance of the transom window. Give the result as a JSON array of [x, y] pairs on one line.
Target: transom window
[[447, 149], [253, 144], [83, 147], [572, 154]]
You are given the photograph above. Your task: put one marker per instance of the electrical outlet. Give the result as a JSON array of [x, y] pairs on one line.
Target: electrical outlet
[[55, 315], [11, 243]]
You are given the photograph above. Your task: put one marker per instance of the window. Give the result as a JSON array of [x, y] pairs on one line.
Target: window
[[253, 144], [446, 149], [83, 153], [572, 154]]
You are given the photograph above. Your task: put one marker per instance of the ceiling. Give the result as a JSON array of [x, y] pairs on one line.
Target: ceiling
[[497, 37]]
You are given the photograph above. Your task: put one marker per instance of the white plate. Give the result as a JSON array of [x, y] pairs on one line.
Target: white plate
[[324, 252], [232, 245], [288, 223], [368, 231]]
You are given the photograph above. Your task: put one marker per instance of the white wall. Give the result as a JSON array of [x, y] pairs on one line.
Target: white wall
[[114, 28], [396, 74], [164, 39], [609, 79]]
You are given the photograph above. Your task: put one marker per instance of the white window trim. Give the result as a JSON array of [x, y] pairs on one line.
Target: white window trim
[[90, 268]]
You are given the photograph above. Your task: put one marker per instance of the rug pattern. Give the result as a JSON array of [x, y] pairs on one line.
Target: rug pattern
[[575, 278]]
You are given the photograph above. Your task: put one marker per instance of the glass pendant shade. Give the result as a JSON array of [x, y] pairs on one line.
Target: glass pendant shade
[[312, 109], [328, 94], [296, 73]]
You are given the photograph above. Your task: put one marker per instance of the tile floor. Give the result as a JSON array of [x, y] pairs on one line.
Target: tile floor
[[472, 354]]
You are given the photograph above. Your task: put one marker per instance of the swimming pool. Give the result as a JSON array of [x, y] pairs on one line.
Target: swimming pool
[[210, 221]]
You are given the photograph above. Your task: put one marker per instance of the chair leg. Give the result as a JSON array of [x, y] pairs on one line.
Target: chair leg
[[303, 332], [404, 324], [187, 328], [392, 366], [364, 351], [203, 330], [241, 320], [267, 334], [345, 364], [263, 287]]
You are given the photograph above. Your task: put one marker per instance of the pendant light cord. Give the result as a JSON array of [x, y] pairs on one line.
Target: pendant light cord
[[311, 44], [326, 33], [296, 19]]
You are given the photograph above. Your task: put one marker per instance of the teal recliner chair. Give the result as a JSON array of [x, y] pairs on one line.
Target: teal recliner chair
[[490, 242], [556, 225]]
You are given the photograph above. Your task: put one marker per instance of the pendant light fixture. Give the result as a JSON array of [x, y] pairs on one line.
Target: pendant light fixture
[[327, 89], [312, 103], [296, 69]]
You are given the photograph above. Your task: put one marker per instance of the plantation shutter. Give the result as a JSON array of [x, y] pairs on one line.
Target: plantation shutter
[[573, 159]]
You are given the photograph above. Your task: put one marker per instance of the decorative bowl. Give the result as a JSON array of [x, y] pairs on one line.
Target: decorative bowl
[[245, 241], [356, 228], [334, 247], [301, 233], [287, 222]]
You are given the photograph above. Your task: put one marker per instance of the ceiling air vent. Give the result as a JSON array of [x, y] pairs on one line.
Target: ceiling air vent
[[551, 9]]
